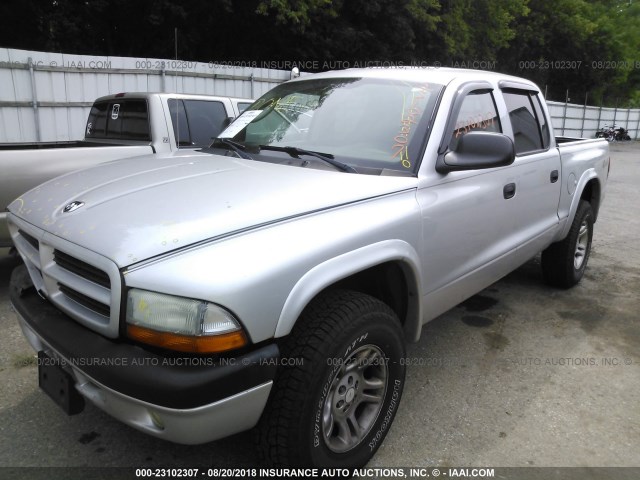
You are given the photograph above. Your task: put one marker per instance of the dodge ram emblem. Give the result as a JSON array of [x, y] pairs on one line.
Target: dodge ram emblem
[[72, 206]]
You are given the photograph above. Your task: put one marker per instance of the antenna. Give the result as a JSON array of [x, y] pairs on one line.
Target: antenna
[[178, 102], [175, 36]]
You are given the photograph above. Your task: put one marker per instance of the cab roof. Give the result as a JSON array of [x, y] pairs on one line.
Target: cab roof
[[442, 76]]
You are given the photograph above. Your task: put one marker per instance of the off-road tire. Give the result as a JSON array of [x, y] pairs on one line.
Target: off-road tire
[[327, 373], [564, 262]]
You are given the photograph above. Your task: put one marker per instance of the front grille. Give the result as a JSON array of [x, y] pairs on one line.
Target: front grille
[[82, 269], [81, 283], [87, 302]]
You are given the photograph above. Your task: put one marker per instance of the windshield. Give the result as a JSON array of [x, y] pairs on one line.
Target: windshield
[[369, 124]]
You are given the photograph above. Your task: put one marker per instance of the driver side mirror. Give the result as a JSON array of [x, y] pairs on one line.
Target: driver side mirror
[[478, 150]]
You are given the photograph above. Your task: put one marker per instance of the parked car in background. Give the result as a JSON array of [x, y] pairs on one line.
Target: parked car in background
[[119, 126]]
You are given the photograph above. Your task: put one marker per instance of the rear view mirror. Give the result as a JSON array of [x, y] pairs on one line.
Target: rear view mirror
[[478, 150]]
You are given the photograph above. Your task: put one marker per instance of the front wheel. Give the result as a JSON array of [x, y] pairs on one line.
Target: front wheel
[[334, 402], [564, 262]]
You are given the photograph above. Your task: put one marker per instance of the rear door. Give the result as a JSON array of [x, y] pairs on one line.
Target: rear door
[[536, 170]]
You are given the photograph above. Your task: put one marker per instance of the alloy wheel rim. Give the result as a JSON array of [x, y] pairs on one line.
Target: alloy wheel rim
[[581, 246], [355, 398]]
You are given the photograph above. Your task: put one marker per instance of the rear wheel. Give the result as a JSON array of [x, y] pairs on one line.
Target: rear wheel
[[564, 262], [334, 402]]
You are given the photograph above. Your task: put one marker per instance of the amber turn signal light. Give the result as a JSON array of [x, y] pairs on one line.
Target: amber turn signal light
[[185, 343]]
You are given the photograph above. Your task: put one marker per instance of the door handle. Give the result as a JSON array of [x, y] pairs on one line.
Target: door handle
[[554, 176], [509, 190]]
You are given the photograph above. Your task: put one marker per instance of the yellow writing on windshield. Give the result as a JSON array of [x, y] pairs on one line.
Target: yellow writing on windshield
[[410, 118]]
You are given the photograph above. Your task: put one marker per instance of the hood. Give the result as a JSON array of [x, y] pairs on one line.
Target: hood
[[139, 208]]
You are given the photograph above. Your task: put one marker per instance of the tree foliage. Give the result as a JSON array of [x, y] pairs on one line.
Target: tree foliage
[[477, 29], [585, 47], [538, 39]]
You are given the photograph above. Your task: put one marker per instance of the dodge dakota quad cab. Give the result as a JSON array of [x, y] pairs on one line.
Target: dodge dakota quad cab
[[119, 126], [272, 280]]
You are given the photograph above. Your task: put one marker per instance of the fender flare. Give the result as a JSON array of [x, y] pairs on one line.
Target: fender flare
[[337, 268], [587, 176]]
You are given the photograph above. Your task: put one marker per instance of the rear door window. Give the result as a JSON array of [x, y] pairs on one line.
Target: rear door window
[[542, 119], [527, 132], [197, 122]]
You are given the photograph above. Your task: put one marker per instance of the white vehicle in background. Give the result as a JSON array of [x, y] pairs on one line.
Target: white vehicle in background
[[119, 126]]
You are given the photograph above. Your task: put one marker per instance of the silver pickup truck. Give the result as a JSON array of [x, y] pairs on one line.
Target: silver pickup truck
[[123, 125], [272, 281]]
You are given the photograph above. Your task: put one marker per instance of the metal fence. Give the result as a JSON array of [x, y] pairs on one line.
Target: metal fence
[[47, 96], [573, 120]]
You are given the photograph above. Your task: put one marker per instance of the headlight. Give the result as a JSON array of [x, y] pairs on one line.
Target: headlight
[[183, 324]]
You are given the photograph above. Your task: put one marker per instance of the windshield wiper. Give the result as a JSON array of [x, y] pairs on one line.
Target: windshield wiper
[[295, 152], [231, 145]]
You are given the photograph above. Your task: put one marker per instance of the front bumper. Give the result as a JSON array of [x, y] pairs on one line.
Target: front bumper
[[187, 400]]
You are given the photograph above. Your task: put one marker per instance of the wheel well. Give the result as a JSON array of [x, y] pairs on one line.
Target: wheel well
[[393, 283], [591, 194]]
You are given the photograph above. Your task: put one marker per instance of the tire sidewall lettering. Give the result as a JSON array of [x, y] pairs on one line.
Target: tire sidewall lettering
[[317, 423], [393, 393], [389, 414]]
